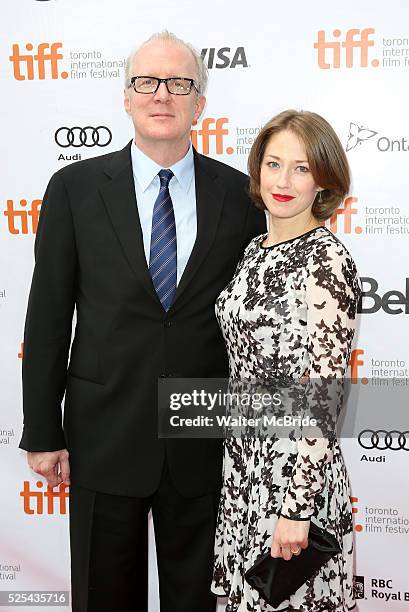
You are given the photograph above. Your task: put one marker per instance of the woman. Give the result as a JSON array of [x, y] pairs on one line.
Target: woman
[[289, 311]]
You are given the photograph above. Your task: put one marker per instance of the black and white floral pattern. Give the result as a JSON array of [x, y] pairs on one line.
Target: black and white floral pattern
[[289, 309]]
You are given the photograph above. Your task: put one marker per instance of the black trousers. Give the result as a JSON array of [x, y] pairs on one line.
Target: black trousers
[[109, 550]]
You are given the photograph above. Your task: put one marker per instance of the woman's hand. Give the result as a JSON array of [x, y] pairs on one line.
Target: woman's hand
[[289, 538]]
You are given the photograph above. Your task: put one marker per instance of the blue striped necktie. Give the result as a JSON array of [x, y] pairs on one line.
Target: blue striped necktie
[[162, 260]]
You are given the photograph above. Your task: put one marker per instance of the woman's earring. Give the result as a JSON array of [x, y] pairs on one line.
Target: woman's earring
[[320, 197]]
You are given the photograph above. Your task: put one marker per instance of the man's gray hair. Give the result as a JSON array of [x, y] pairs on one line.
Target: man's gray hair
[[169, 37]]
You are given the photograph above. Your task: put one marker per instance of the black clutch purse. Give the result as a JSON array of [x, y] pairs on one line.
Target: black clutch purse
[[276, 579]]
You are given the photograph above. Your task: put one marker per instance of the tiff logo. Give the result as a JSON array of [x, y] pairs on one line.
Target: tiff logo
[[46, 56], [44, 498], [11, 213], [354, 500], [345, 213], [355, 362], [331, 54], [207, 133]]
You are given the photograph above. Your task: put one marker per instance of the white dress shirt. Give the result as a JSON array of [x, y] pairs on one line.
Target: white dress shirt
[[182, 190]]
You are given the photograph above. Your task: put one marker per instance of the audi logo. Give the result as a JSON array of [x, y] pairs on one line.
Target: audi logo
[[383, 440], [87, 136]]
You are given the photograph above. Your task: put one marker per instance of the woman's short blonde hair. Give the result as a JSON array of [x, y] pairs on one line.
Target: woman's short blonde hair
[[326, 157]]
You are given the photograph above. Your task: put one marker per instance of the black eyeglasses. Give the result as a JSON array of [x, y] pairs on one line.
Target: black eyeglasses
[[178, 86]]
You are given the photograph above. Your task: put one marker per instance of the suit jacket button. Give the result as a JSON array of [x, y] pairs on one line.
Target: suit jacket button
[[168, 324]]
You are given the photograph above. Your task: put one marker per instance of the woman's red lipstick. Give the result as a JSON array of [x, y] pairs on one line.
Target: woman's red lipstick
[[282, 198]]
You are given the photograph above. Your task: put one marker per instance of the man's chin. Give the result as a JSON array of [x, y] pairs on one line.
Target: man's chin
[[162, 134]]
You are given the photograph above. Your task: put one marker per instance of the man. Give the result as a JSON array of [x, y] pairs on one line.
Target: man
[[140, 242]]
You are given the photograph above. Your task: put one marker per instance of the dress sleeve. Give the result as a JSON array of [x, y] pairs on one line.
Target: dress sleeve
[[332, 294]]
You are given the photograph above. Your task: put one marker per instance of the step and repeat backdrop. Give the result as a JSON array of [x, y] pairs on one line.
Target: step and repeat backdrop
[[61, 74]]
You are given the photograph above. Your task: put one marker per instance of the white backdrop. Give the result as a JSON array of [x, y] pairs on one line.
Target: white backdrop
[[61, 65]]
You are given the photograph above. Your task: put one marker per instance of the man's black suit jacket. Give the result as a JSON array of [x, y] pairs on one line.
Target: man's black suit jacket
[[90, 257]]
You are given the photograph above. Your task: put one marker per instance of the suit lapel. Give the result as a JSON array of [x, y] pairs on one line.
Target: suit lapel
[[210, 193], [120, 201]]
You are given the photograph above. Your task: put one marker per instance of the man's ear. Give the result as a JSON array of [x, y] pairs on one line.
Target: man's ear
[[200, 104], [127, 102]]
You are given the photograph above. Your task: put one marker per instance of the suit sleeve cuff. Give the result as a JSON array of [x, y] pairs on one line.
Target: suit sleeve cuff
[[39, 440]]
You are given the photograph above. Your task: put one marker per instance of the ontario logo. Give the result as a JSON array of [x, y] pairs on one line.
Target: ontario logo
[[358, 134]]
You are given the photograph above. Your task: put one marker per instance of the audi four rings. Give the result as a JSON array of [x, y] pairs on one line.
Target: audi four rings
[[87, 136], [383, 440]]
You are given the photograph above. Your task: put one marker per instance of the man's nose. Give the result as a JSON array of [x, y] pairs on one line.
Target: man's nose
[[162, 94]]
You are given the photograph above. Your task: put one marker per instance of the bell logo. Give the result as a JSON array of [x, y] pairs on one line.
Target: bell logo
[[392, 302], [201, 138], [11, 213], [345, 213], [223, 57], [44, 500], [330, 53], [35, 63], [355, 363]]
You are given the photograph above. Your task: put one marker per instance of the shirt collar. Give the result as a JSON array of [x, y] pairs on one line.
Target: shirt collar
[[145, 169]]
